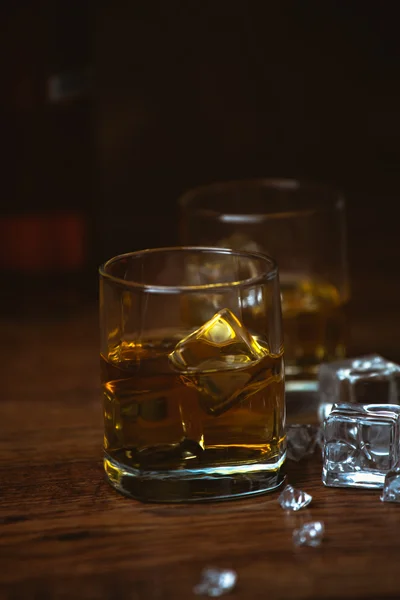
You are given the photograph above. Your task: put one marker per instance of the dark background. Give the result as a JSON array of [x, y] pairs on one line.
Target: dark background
[[112, 110]]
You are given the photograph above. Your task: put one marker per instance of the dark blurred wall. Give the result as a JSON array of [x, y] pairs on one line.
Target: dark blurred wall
[[46, 240], [200, 91], [186, 93]]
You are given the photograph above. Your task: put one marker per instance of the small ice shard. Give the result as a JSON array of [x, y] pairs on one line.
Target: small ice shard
[[310, 534], [301, 441], [391, 487], [216, 582], [292, 499]]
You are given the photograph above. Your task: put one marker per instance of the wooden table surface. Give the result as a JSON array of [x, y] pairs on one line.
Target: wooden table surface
[[65, 533]]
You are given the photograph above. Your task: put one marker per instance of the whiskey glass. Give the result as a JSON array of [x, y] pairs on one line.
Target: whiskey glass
[[192, 374]]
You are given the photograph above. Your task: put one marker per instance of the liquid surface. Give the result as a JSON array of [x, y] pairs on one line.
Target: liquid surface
[[161, 417], [313, 324]]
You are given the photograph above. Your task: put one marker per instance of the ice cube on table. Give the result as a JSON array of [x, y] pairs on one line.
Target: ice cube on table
[[310, 534], [391, 486], [301, 441], [368, 379], [212, 359], [216, 582], [361, 444], [292, 499]]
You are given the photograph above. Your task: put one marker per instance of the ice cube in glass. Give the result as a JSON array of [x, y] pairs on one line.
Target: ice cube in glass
[[218, 359]]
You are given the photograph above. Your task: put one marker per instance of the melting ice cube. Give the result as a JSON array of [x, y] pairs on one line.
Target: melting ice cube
[[220, 360]]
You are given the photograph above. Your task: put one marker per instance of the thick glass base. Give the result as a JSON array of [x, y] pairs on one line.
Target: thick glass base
[[195, 485]]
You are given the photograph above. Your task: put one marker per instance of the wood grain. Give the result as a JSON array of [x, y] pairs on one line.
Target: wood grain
[[65, 533]]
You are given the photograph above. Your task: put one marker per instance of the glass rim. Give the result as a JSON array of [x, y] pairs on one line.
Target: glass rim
[[277, 183], [268, 274]]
